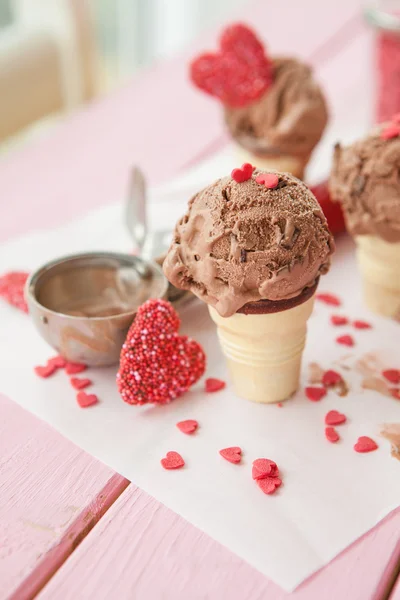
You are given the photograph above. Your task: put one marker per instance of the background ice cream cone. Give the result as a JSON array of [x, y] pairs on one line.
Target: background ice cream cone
[[379, 263], [282, 163], [264, 351]]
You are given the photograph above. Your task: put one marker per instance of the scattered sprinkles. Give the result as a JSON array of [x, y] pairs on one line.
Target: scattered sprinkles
[[315, 394], [214, 385], [345, 340], [59, 362], [232, 454], [365, 444], [189, 426], [362, 325], [46, 371], [333, 417], [79, 384], [338, 320], [243, 174], [265, 473], [12, 287], [331, 435], [157, 364], [392, 375], [269, 485], [270, 180], [329, 299], [173, 460], [74, 368], [84, 400], [331, 378]]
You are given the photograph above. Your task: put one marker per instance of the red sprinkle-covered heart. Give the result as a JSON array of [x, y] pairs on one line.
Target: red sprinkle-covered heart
[[345, 340], [338, 320], [334, 417], [46, 371], [331, 378], [189, 426], [315, 394], [74, 368], [173, 460], [361, 325], [392, 375], [239, 73], [157, 364], [84, 400], [12, 287], [269, 485], [79, 384], [329, 299], [214, 385], [243, 174], [232, 454], [365, 444], [264, 467], [331, 435], [270, 180]]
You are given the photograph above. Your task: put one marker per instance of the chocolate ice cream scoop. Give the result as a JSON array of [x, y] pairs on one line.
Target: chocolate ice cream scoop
[[240, 242], [365, 180], [288, 119]]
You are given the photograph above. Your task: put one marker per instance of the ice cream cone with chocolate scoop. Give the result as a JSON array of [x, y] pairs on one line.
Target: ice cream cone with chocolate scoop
[[365, 180], [273, 108], [253, 246]]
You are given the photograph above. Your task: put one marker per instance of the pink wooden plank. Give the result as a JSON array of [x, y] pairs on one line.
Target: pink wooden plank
[[159, 121], [141, 549], [52, 493], [395, 595]]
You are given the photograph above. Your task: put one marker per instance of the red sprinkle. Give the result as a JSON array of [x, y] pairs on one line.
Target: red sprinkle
[[46, 371], [329, 299], [80, 384], [338, 320], [365, 444], [264, 467], [333, 417], [74, 368], [279, 405], [243, 174], [392, 375], [331, 378], [315, 394], [232, 454], [173, 460], [270, 180], [59, 362], [362, 325], [85, 400], [345, 340], [12, 287], [189, 426], [269, 485], [391, 131], [395, 393], [331, 435], [157, 364], [214, 385]]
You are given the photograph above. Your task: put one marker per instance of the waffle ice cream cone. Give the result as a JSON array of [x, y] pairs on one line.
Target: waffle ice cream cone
[[264, 351], [283, 163], [379, 263]]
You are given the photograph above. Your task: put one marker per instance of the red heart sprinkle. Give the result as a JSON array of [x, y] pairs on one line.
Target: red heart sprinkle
[[390, 132], [214, 385], [331, 378], [392, 375], [80, 384], [365, 444], [157, 364], [173, 460], [315, 394], [264, 467], [269, 484], [12, 287], [333, 417], [59, 362], [239, 73], [362, 325], [279, 405], [395, 393], [270, 180], [74, 368], [188, 426], [331, 435], [85, 400], [328, 299], [45, 371], [243, 174], [345, 340], [233, 454], [338, 320]]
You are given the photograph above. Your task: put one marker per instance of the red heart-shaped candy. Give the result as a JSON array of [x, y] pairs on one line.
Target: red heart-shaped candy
[[233, 454], [239, 73], [243, 174], [365, 444], [84, 400], [269, 484], [173, 460], [264, 467], [334, 417], [156, 363], [189, 426]]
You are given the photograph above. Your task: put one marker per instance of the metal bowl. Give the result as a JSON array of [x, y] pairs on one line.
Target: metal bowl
[[83, 305]]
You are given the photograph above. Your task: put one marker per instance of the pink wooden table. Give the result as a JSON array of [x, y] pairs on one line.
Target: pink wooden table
[[69, 526]]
